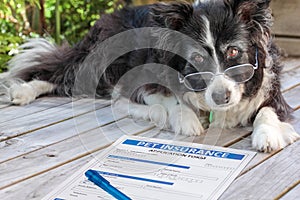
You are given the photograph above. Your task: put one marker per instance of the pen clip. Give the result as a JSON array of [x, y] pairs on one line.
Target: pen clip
[[95, 177]]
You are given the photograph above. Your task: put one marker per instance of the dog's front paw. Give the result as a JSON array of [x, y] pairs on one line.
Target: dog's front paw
[[267, 138], [157, 114], [22, 94], [185, 121], [270, 134]]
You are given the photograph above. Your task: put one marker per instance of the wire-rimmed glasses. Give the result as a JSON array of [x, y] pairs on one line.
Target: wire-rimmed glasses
[[239, 73]]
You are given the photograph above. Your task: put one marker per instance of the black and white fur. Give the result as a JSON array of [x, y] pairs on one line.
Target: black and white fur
[[216, 25]]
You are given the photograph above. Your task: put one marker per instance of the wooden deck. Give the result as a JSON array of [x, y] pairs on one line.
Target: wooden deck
[[45, 142]]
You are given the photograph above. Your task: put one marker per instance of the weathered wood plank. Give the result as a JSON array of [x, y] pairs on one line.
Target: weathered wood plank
[[270, 178], [293, 194], [290, 46], [12, 112], [286, 14], [56, 133], [290, 64], [39, 186], [45, 159], [292, 97], [296, 120], [286, 26], [290, 79], [48, 117]]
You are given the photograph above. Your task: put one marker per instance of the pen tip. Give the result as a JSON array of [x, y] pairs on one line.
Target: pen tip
[[89, 173]]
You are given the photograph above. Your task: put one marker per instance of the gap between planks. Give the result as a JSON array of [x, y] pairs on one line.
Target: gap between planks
[[288, 189], [292, 194]]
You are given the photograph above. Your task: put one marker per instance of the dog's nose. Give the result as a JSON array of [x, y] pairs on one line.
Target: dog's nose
[[221, 97]]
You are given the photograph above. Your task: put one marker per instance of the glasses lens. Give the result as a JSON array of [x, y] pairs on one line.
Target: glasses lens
[[198, 81], [240, 73]]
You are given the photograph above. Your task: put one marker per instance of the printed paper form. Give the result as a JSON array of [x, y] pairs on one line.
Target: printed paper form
[[146, 168]]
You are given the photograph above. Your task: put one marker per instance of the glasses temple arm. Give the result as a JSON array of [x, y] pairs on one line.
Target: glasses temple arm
[[256, 59], [180, 78]]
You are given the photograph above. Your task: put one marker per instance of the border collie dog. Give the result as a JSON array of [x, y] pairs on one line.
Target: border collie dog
[[214, 56]]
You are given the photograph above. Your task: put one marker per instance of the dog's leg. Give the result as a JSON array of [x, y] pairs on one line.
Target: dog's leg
[[184, 120], [270, 134], [26, 92], [156, 113], [164, 112], [181, 118]]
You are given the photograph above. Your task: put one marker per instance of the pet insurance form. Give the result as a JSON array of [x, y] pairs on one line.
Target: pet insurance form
[[154, 169]]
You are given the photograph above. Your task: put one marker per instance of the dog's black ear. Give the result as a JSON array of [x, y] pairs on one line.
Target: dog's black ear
[[171, 15], [256, 14], [251, 10]]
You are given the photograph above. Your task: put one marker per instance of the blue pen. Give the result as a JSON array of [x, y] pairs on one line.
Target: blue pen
[[97, 179]]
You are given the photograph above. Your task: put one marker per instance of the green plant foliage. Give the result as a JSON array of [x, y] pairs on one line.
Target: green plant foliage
[[23, 19], [78, 16]]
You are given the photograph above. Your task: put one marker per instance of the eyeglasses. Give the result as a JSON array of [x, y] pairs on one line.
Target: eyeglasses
[[239, 73]]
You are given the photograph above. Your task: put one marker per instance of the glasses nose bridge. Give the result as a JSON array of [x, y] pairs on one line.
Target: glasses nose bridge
[[218, 74]]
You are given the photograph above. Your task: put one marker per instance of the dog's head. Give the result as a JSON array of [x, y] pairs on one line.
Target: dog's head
[[233, 38]]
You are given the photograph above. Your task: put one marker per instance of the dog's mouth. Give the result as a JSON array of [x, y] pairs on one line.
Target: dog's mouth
[[223, 107]]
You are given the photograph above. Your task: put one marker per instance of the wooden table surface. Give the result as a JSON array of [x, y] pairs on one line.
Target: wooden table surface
[[43, 143]]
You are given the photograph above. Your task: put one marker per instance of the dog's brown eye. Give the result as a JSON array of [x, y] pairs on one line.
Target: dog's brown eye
[[232, 52], [197, 58]]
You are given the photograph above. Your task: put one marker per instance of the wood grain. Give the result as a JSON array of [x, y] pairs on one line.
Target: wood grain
[[57, 133], [270, 178], [292, 97], [290, 64], [290, 46], [43, 160], [290, 78], [39, 186], [293, 194], [286, 14], [42, 119], [41, 104]]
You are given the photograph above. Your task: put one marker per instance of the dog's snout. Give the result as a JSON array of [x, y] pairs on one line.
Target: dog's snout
[[221, 97]]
